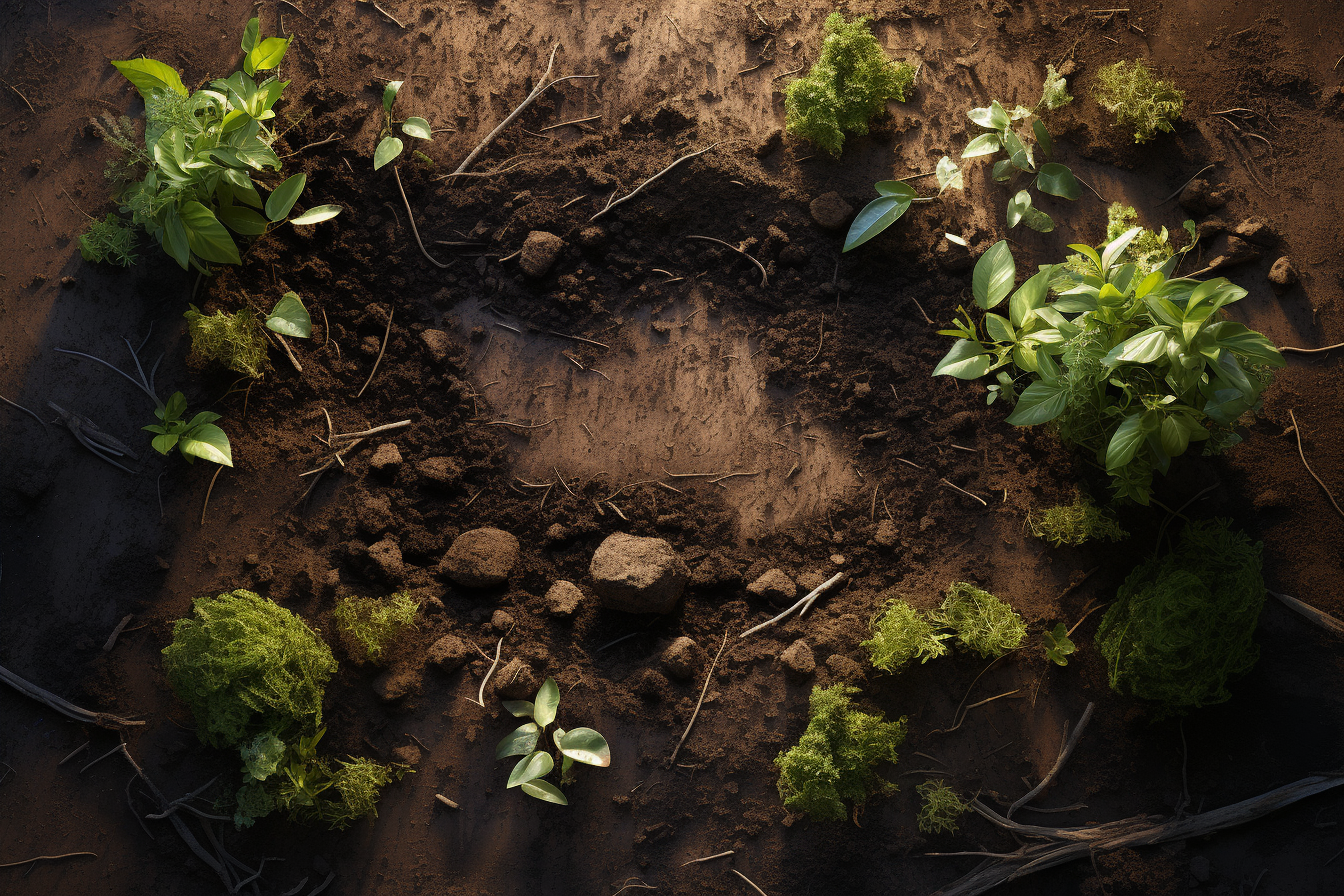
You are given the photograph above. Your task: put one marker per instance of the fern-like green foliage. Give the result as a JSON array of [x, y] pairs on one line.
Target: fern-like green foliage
[[849, 85], [940, 809], [356, 783], [261, 756], [1138, 98], [109, 241], [1076, 523], [233, 340], [368, 624], [901, 634], [246, 665], [1055, 90], [834, 762], [1182, 626], [983, 623]]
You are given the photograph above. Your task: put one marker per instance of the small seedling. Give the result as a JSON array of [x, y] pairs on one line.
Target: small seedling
[[578, 745], [1057, 645], [108, 241], [236, 340], [893, 199], [197, 437], [1138, 98], [390, 145], [941, 807]]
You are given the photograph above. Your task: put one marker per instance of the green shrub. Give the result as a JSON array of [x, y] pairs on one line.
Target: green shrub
[[1182, 625], [246, 665], [849, 85], [901, 634], [983, 623], [833, 763], [1138, 98], [940, 809], [368, 624], [233, 340], [1075, 523], [108, 241]]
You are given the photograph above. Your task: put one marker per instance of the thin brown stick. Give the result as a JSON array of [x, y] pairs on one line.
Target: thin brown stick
[[628, 196], [376, 361], [391, 18], [65, 708], [574, 121], [1324, 620], [519, 425], [1297, 431], [821, 338], [802, 605], [480, 699], [116, 632], [578, 338], [1064, 755], [289, 352], [964, 492], [210, 488], [415, 230], [1291, 348], [21, 96], [708, 675], [1188, 183], [706, 858], [765, 280], [66, 855], [386, 427], [749, 882], [73, 753]]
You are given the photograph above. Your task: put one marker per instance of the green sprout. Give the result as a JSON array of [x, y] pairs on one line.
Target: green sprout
[[582, 745], [1057, 645]]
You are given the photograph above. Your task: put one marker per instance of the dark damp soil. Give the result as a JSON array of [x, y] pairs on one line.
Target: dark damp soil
[[674, 357]]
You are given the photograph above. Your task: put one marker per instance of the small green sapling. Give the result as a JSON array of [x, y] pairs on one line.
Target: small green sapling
[[576, 745], [390, 145], [197, 437], [940, 809], [1057, 645]]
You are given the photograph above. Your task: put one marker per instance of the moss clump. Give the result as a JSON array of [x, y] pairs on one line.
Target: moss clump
[[246, 665], [368, 624], [1138, 98], [940, 809], [108, 241], [848, 86], [1076, 523], [1182, 625], [1055, 90], [832, 766], [234, 340], [901, 634], [983, 623]]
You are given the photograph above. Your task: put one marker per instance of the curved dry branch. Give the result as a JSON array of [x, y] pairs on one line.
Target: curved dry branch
[[64, 707]]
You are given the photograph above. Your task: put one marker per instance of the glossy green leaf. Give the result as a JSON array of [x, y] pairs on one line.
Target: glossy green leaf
[[1089, 253], [243, 221], [519, 742], [175, 240], [1174, 436], [149, 75], [251, 33], [1141, 348], [1018, 152], [993, 116], [949, 175], [984, 145], [966, 360], [208, 238], [174, 409], [875, 217], [587, 746], [999, 329], [390, 94], [388, 149], [1040, 402], [1111, 253], [417, 127], [1043, 139], [532, 766], [898, 188], [207, 442], [995, 273], [290, 318], [1057, 180], [317, 215], [164, 442], [544, 790], [1003, 171], [519, 709], [1126, 441], [267, 54], [1018, 207], [1251, 345], [282, 199], [546, 703], [1030, 296]]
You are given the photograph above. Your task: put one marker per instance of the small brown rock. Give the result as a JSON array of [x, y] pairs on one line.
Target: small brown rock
[[592, 237], [798, 661], [516, 681], [439, 471], [775, 586], [501, 621], [481, 558], [386, 558], [637, 575], [563, 599], [438, 344], [682, 659], [1201, 198], [1233, 251], [449, 653], [830, 211], [540, 252], [386, 460], [1282, 274], [886, 534], [1256, 231], [407, 755]]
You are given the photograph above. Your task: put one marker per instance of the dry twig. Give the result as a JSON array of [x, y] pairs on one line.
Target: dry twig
[[1297, 431], [376, 361], [415, 230], [1064, 755], [764, 278], [803, 605], [1324, 620], [65, 708], [708, 675], [615, 202]]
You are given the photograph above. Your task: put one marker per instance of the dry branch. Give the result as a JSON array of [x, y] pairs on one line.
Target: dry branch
[[1059, 763], [1324, 620], [628, 196], [803, 605], [698, 703], [65, 708]]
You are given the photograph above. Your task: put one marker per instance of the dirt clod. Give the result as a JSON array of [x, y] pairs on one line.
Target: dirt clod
[[516, 681], [830, 211], [481, 558], [385, 556], [439, 345], [798, 661], [540, 252], [449, 653], [1282, 274], [386, 460], [637, 575], [1201, 197], [563, 599], [775, 586], [683, 658]]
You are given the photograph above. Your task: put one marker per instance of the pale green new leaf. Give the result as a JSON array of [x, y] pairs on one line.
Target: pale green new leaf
[[283, 198], [388, 149], [587, 746], [417, 127], [317, 214], [984, 145], [545, 790], [534, 765], [207, 442], [999, 329], [149, 75], [390, 94], [290, 318], [546, 703], [994, 275], [519, 709], [267, 54], [949, 175]]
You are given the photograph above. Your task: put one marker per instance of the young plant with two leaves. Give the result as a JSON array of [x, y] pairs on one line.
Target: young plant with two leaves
[[389, 144], [577, 745], [1132, 369], [237, 340], [202, 150]]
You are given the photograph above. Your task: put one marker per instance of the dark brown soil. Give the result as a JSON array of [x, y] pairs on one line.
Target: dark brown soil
[[701, 369]]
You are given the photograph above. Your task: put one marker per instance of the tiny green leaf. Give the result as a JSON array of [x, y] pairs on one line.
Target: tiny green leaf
[[388, 149], [544, 790], [1057, 645], [519, 742], [519, 709], [317, 215], [290, 318], [390, 94], [949, 175], [267, 54], [207, 442], [417, 127], [587, 746]]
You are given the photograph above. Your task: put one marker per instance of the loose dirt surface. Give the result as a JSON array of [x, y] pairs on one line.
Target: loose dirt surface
[[639, 355]]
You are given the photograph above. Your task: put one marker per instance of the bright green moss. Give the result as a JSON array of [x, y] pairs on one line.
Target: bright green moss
[[1138, 98], [1076, 523], [368, 624], [234, 340], [901, 634], [983, 623]]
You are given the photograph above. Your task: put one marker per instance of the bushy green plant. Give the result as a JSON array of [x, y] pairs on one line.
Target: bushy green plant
[[1138, 98], [940, 809], [1076, 523], [197, 437], [1182, 626], [983, 623], [901, 634], [1138, 369], [847, 87], [583, 745], [245, 665], [369, 624], [108, 241], [831, 771]]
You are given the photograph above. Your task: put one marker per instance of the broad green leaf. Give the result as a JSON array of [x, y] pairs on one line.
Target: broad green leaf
[[390, 94], [208, 238], [949, 175], [175, 240], [1018, 208], [587, 746], [518, 708], [1251, 345], [875, 217], [317, 214], [266, 54], [1151, 282], [1038, 220], [534, 765], [149, 75], [519, 742], [242, 220], [290, 318], [1057, 180], [1040, 402], [250, 34], [965, 361], [164, 443], [202, 418], [999, 329], [1230, 369], [993, 116], [1118, 245], [994, 275], [1043, 139], [175, 408], [1125, 442], [1003, 171], [388, 149], [1018, 152], [1141, 348], [1046, 366], [1089, 253], [546, 703], [417, 127], [1029, 296], [282, 199], [898, 188], [544, 790], [207, 442], [1174, 436], [984, 145]]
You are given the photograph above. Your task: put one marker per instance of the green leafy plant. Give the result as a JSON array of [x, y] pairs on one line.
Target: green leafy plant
[[1131, 369], [847, 87], [901, 634], [832, 769], [236, 340], [1147, 251], [1055, 90], [940, 807], [1075, 523], [983, 623], [582, 745], [197, 437], [1057, 645], [1138, 98], [201, 151], [244, 665], [390, 145], [108, 241], [1183, 625], [368, 625]]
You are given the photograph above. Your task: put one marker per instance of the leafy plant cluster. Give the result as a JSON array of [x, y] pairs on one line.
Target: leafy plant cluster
[[197, 437], [1182, 625], [583, 745], [1057, 645], [1138, 98], [202, 150], [1076, 523], [940, 807], [847, 87], [368, 625], [237, 341], [979, 621], [832, 769], [1133, 369], [390, 145], [109, 241]]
